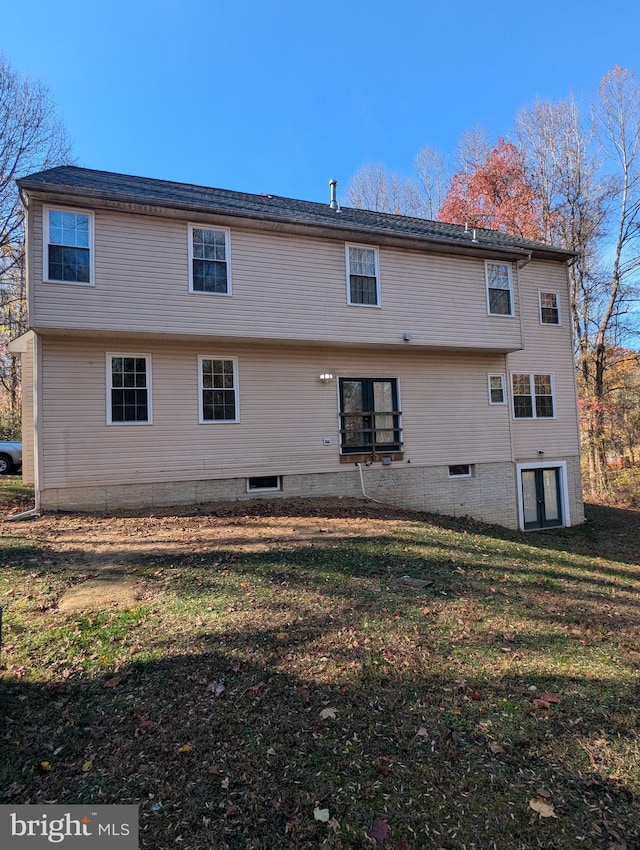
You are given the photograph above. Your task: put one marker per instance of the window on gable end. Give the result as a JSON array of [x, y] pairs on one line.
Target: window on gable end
[[497, 394], [549, 308], [533, 396]]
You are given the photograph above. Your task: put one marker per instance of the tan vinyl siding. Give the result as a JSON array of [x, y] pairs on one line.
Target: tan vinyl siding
[[284, 287], [548, 349], [285, 412]]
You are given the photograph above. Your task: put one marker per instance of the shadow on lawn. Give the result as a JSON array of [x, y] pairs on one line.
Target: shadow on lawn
[[246, 768], [561, 588]]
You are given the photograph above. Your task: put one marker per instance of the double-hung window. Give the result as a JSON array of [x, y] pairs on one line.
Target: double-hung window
[[129, 389], [218, 386], [68, 246], [369, 415], [209, 260], [363, 277], [497, 394], [533, 396], [549, 308], [499, 288]]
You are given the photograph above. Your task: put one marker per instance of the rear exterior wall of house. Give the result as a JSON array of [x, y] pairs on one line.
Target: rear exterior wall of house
[[285, 322]]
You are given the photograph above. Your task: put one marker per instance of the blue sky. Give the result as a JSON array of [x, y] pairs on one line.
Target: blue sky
[[279, 97]]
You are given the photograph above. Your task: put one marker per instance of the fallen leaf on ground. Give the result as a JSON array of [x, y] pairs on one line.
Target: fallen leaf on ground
[[328, 712], [549, 697], [422, 732], [321, 815], [544, 809], [379, 831], [185, 748], [113, 683], [86, 766], [546, 700]]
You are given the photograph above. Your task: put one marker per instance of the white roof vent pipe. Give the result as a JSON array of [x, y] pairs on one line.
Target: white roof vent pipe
[[334, 202]]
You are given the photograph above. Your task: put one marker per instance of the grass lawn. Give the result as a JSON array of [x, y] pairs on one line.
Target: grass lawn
[[260, 676]]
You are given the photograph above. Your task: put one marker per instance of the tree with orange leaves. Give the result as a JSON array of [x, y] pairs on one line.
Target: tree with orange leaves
[[496, 194]]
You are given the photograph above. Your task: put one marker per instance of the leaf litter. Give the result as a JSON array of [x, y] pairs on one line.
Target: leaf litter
[[433, 736]]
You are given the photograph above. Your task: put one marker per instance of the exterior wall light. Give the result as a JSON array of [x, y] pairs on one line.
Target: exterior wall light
[[326, 377]]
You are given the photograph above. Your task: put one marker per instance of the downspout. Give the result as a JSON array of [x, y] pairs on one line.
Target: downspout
[[370, 498], [35, 511]]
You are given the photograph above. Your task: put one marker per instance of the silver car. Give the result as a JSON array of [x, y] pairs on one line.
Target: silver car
[[10, 457]]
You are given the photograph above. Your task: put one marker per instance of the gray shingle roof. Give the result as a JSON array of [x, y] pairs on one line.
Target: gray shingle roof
[[87, 183]]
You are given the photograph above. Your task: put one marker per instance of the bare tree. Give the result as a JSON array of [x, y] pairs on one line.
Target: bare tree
[[372, 187], [617, 119], [433, 175], [566, 171], [473, 148], [31, 139], [585, 166]]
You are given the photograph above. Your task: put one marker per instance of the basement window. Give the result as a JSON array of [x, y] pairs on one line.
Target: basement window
[[264, 483], [461, 470]]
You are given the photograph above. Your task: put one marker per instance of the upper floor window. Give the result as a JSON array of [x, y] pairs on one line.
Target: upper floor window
[[499, 289], [533, 396], [549, 308], [209, 255], [363, 278], [68, 246], [497, 394], [129, 389], [218, 382]]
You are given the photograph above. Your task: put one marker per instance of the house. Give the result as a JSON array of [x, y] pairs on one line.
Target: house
[[190, 344]]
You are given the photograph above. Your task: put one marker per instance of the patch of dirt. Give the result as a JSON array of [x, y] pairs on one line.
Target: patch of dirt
[[99, 595], [111, 542]]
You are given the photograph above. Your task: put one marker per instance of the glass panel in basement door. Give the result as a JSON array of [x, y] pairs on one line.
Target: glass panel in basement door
[[551, 501], [529, 496]]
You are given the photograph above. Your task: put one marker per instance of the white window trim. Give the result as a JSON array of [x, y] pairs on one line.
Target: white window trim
[[227, 248], [532, 389], [564, 489], [462, 474], [201, 419], [276, 489], [503, 379], [376, 256], [45, 244], [488, 263], [147, 357], [549, 292]]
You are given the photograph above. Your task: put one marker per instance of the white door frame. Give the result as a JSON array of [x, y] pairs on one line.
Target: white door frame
[[564, 489]]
